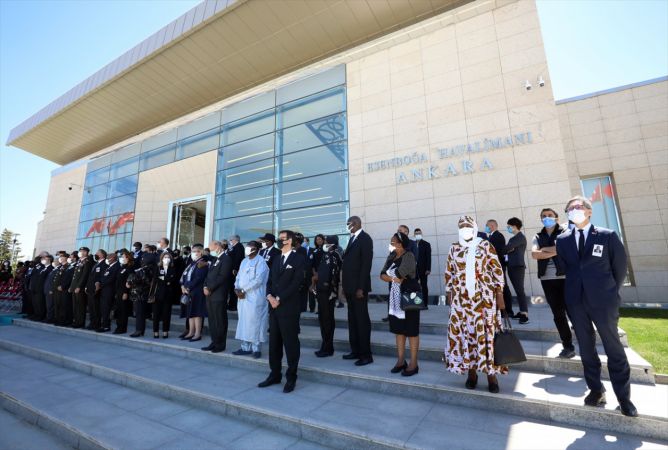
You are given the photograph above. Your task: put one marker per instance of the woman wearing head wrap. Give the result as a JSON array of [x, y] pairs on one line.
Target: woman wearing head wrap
[[474, 283], [400, 266]]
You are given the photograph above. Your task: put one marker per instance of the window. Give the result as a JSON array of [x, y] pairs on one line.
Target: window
[[327, 219], [245, 152], [199, 143], [319, 105], [97, 177], [250, 127], [330, 158], [600, 191], [335, 76], [249, 107], [94, 194], [159, 140], [120, 205], [247, 227], [324, 131], [123, 186], [243, 203], [313, 191], [248, 176], [157, 158], [206, 123], [125, 168]]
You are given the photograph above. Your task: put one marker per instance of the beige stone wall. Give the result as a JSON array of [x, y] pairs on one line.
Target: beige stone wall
[[625, 134], [157, 187], [459, 83], [58, 228]]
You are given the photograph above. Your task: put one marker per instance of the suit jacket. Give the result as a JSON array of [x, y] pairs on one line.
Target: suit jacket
[[284, 282], [33, 283], [120, 288], [269, 255], [49, 285], [219, 277], [95, 276], [602, 270], [515, 249], [81, 273], [423, 256], [237, 253], [165, 282], [66, 278], [357, 259], [497, 239], [195, 284], [108, 281]]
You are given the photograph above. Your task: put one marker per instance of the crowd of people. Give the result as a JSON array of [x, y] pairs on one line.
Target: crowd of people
[[271, 282]]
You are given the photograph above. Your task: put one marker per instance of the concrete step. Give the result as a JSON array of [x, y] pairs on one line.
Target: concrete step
[[541, 355], [556, 399], [93, 412], [20, 429]]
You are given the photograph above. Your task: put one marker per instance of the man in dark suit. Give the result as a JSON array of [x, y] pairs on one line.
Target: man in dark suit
[[237, 254], [305, 252], [423, 258], [285, 278], [514, 255], [412, 247], [78, 287], [216, 290], [108, 291], [137, 253], [269, 252], [93, 290], [356, 282], [594, 260], [39, 299]]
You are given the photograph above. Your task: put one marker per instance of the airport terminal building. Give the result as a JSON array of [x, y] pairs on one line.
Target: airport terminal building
[[251, 116]]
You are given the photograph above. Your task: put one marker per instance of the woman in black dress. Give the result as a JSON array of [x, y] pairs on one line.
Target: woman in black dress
[[400, 266], [192, 285], [166, 278]]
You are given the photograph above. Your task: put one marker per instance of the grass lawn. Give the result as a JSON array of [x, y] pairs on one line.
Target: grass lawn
[[647, 330]]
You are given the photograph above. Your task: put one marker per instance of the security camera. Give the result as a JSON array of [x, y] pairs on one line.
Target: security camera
[[541, 82], [527, 85], [69, 188]]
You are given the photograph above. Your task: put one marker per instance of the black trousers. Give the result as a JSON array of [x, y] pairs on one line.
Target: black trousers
[[141, 311], [422, 278], [58, 306], [26, 303], [555, 296], [50, 308], [283, 333], [106, 303], [232, 303], [79, 308], [312, 300], [39, 305], [585, 312], [326, 318], [359, 325], [162, 312], [63, 304], [303, 298], [217, 313], [516, 275], [123, 310], [94, 309]]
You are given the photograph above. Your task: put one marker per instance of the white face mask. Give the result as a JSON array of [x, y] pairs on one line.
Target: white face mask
[[264, 246], [248, 251], [69, 260], [80, 254], [166, 261], [62, 260], [107, 261], [43, 261], [418, 237], [350, 229], [195, 256], [577, 216], [391, 248], [123, 260], [159, 245], [466, 234], [326, 247]]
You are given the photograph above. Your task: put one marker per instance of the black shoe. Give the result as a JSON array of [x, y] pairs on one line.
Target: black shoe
[[339, 305], [257, 355], [410, 373], [268, 382], [385, 319], [217, 349], [515, 316], [185, 337], [242, 352], [567, 353], [289, 386], [595, 399], [103, 330], [323, 354], [471, 383], [91, 327], [165, 335], [182, 335], [364, 361], [524, 319], [137, 334], [493, 387], [208, 348], [397, 369], [350, 356], [627, 408], [194, 339]]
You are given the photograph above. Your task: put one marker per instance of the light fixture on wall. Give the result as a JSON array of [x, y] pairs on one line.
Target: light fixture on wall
[[71, 186], [527, 85], [541, 81]]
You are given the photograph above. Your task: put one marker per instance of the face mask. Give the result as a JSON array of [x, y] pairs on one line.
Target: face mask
[[391, 248], [549, 222], [54, 264], [166, 261], [108, 261], [248, 251], [509, 229], [488, 230], [418, 237], [577, 216], [264, 246], [80, 255], [466, 234], [159, 245], [214, 253], [305, 244], [326, 247], [350, 228], [196, 256], [43, 261], [281, 242], [69, 260], [123, 260], [62, 260], [137, 249]]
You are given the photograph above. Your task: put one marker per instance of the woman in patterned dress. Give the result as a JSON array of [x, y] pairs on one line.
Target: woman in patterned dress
[[474, 282]]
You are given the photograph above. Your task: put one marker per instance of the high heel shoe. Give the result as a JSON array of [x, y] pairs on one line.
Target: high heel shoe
[[195, 339], [397, 369], [471, 382], [410, 373], [184, 334], [165, 335], [186, 338], [156, 335], [137, 334]]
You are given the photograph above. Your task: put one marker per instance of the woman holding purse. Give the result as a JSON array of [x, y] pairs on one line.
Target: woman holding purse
[[399, 268], [163, 292], [474, 283]]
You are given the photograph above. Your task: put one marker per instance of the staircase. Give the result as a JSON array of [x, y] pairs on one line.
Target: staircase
[[110, 391]]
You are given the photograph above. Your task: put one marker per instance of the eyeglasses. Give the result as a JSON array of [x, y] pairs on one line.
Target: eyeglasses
[[575, 207]]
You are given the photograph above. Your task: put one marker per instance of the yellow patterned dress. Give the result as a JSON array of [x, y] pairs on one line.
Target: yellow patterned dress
[[473, 322]]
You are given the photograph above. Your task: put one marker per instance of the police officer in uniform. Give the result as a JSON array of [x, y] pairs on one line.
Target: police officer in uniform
[[64, 318], [78, 287], [93, 290], [108, 291]]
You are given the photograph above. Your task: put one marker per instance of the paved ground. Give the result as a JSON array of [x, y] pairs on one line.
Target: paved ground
[[16, 434]]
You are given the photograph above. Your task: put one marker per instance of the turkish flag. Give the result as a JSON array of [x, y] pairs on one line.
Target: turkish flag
[[596, 196]]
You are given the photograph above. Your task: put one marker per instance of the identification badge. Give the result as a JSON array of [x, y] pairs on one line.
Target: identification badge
[[97, 270], [598, 250]]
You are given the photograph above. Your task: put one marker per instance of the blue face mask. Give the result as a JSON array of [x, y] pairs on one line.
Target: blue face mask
[[509, 229], [549, 222], [305, 244], [488, 230]]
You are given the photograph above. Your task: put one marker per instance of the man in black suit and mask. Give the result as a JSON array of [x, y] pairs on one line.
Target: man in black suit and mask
[[216, 289], [356, 270], [423, 258], [269, 252], [285, 278]]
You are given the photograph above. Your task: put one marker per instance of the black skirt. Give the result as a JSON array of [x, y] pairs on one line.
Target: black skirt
[[410, 326]]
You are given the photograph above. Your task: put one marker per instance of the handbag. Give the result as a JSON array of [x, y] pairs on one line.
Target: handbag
[[507, 348], [411, 296], [185, 299]]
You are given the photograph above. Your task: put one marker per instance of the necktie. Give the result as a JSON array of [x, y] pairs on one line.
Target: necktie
[[581, 244]]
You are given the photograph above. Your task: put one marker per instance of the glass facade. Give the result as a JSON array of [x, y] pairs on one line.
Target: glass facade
[[282, 163]]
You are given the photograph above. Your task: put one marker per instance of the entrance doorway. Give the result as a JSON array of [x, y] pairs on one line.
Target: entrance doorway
[[188, 222]]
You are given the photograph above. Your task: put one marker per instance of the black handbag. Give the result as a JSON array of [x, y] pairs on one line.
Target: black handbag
[[185, 299], [507, 348], [411, 296]]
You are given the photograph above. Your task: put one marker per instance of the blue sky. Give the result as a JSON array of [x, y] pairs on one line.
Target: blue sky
[[46, 47]]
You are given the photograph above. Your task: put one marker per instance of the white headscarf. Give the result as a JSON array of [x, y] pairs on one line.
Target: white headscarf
[[470, 247]]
